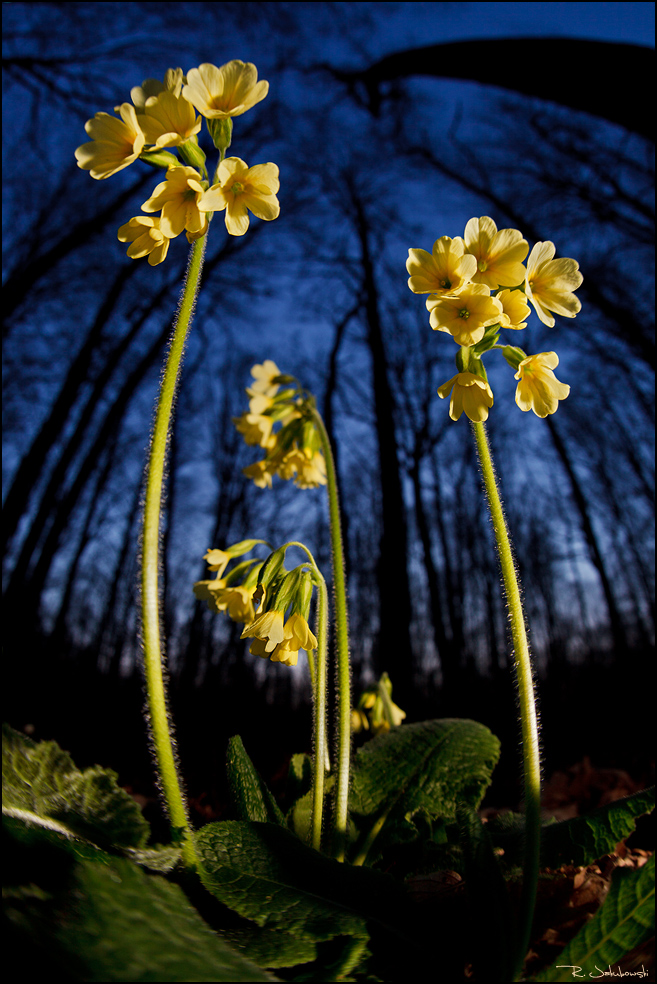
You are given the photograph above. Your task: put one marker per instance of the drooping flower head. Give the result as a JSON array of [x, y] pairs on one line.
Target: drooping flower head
[[539, 389], [549, 283], [114, 143], [442, 271], [499, 254], [470, 393], [242, 189], [219, 93]]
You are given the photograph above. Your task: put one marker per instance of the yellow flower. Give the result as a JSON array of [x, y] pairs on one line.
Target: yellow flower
[[146, 237], [263, 375], [470, 393], [114, 145], [256, 429], [241, 189], [308, 466], [515, 309], [208, 591], [539, 389], [467, 315], [549, 283], [268, 628], [261, 472], [231, 90], [217, 560], [238, 601], [173, 83], [179, 197], [298, 634], [167, 121], [499, 254], [442, 271]]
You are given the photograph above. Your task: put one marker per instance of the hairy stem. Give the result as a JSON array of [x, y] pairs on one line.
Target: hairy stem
[[342, 638], [527, 702], [161, 727]]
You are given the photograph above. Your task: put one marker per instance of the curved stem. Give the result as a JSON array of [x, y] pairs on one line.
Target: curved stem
[[528, 718], [321, 749], [161, 728], [342, 636]]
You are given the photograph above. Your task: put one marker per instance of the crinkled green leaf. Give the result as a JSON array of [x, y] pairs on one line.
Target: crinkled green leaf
[[41, 784], [251, 798], [81, 914], [264, 873], [426, 768], [580, 840], [624, 921]]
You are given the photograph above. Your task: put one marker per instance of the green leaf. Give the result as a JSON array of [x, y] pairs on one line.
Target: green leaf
[[427, 768], [580, 840], [585, 839], [41, 784], [101, 918], [624, 921], [264, 873], [251, 798]]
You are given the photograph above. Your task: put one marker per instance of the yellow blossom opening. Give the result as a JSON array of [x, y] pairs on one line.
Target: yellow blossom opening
[[470, 393], [445, 270], [539, 389], [268, 628], [549, 283], [256, 429], [173, 83], [467, 315], [167, 121], [263, 375], [515, 309], [114, 145], [499, 254], [179, 197], [240, 190], [146, 238], [219, 93]]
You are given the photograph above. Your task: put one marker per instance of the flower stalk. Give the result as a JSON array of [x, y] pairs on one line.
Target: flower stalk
[[527, 702], [161, 730], [342, 640]]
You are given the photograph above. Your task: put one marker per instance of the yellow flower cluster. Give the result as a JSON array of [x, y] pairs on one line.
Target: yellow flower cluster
[[293, 450], [265, 592], [163, 115], [375, 709], [477, 286]]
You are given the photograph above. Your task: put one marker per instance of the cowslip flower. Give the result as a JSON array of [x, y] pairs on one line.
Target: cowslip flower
[[256, 429], [268, 628], [549, 283], [173, 83], [466, 315], [470, 393], [241, 189], [209, 591], [237, 600], [146, 238], [499, 253], [264, 374], [167, 121], [445, 270], [515, 309], [261, 472], [217, 560], [178, 197], [219, 93], [114, 145], [539, 389]]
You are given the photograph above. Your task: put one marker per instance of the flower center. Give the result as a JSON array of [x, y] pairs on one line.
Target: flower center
[[482, 265], [445, 284], [189, 195], [237, 188], [464, 313]]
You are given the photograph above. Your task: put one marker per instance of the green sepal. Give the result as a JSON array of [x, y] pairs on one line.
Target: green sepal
[[159, 158], [490, 339], [513, 356], [192, 154], [221, 132]]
